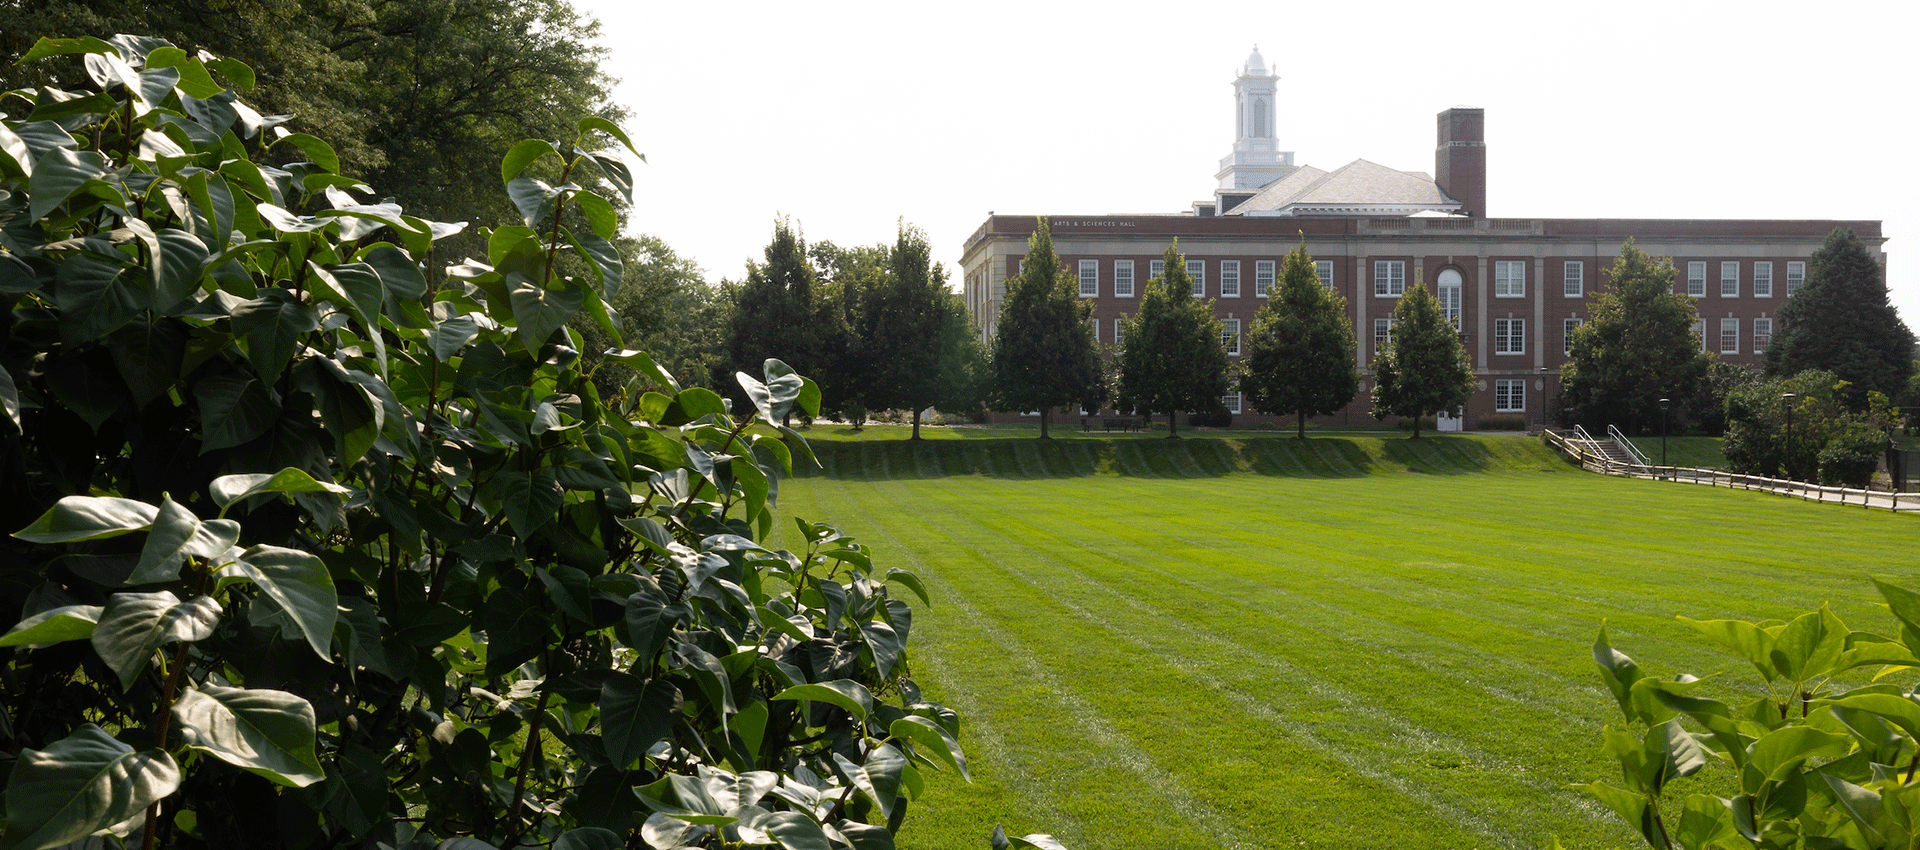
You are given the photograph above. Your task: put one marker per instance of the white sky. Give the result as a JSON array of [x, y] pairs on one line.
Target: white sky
[[850, 116]]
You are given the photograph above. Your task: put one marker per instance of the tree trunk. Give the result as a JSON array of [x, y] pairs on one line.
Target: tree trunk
[[1044, 415], [916, 424], [1416, 426], [1173, 425], [1301, 434]]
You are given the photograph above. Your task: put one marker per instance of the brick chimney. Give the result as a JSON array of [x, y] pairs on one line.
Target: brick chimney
[[1460, 161]]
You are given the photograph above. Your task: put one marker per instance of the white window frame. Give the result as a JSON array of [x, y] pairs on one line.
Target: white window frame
[[1730, 279], [1573, 278], [1450, 299], [1505, 391], [1323, 269], [1231, 401], [1230, 336], [1509, 336], [1567, 327], [1509, 278], [1763, 279], [1762, 335], [1089, 278], [1729, 336], [1156, 269], [1262, 278], [1389, 278], [1382, 334], [1197, 269], [1229, 278], [1123, 278], [1700, 332], [1697, 279], [1119, 331], [1094, 321], [1796, 276]]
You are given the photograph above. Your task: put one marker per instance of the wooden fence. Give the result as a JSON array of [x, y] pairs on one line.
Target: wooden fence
[[1807, 491]]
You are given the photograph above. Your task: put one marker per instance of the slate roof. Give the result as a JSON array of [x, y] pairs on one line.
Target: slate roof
[[1357, 185]]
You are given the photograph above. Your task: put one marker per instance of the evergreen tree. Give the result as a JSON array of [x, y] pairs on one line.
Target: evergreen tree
[[916, 343], [1423, 368], [1300, 352], [1637, 347], [1173, 359], [780, 312], [1841, 322], [1044, 353]]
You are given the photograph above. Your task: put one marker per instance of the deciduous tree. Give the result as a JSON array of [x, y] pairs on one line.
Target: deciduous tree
[[1300, 352], [781, 312], [1044, 353], [1840, 321], [1423, 368], [1638, 346], [1173, 359], [918, 351]]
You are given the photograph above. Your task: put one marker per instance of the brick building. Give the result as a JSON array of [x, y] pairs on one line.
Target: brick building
[[1516, 286]]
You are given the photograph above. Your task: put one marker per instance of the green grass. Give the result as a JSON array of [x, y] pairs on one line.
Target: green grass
[[1702, 452], [1354, 642]]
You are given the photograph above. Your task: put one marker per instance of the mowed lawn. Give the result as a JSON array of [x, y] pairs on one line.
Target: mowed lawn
[[1355, 642]]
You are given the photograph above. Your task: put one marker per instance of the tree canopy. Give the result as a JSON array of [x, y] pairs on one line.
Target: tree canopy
[[917, 346], [1300, 357], [1841, 321], [1423, 369], [781, 312], [1044, 353], [1638, 346], [1172, 358]]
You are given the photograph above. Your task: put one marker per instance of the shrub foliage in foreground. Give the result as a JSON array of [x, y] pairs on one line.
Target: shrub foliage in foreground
[[309, 554], [1817, 764]]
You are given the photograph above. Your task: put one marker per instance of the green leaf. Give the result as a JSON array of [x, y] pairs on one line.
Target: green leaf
[[445, 339], [885, 644], [267, 732], [57, 174], [595, 122], [233, 410], [883, 769], [522, 155], [134, 625], [46, 47], [932, 739], [318, 152], [635, 715], [89, 518], [690, 404], [297, 583], [1900, 710], [9, 398], [148, 357], [1631, 807], [270, 325], [81, 785], [194, 79], [531, 499], [912, 582], [1616, 670], [1784, 749], [589, 838], [796, 831], [236, 71], [539, 311], [176, 268], [14, 149], [535, 199], [1809, 646], [176, 534], [229, 489], [57, 625], [845, 693]]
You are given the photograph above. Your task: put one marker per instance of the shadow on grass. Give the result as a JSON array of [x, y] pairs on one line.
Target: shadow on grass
[[1031, 459]]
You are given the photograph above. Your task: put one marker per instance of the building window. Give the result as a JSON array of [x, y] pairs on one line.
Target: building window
[[1229, 278], [1123, 278], [1382, 334], [1089, 278], [1700, 332], [1730, 279], [1697, 280], [1262, 278], [1510, 395], [1763, 279], [1509, 278], [1230, 336], [1094, 323], [1119, 330], [1389, 278], [1762, 334], [1509, 336], [1197, 269], [1796, 275], [1573, 278], [1324, 270], [1567, 327], [1156, 269], [1450, 296], [1729, 336], [1231, 401]]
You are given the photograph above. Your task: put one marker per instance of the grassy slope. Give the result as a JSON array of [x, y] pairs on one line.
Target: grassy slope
[[1352, 642]]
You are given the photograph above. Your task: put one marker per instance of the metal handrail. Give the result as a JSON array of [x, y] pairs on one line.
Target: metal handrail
[[1805, 490], [1621, 439]]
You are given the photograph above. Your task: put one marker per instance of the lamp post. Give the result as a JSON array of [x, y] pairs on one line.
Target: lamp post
[[1663, 430], [1788, 398]]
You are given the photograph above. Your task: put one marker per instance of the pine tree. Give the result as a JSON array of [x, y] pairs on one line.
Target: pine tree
[[1841, 322], [1044, 353], [780, 312], [1173, 359], [1637, 347], [1300, 357], [1423, 368]]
